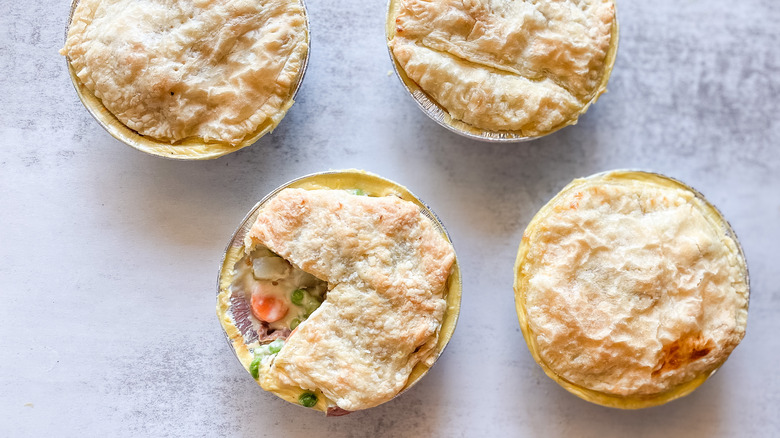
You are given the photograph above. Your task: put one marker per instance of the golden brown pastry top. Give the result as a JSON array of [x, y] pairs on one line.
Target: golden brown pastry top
[[216, 70], [387, 266], [506, 65], [632, 287]]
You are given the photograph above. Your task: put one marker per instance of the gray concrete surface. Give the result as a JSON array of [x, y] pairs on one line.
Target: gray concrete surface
[[109, 257]]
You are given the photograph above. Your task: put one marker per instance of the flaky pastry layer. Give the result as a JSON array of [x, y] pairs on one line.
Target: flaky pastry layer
[[387, 266], [632, 288], [506, 65], [171, 69]]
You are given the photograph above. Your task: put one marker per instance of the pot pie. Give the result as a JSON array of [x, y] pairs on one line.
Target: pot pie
[[339, 291], [631, 289], [187, 79], [503, 69]]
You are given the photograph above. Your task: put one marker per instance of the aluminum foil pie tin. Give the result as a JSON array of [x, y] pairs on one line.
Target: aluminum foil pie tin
[[187, 149], [597, 397], [336, 180], [440, 115]]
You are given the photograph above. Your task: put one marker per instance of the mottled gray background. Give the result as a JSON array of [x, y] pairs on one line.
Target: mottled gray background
[[108, 257]]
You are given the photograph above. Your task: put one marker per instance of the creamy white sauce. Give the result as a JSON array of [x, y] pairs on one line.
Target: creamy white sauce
[[265, 273]]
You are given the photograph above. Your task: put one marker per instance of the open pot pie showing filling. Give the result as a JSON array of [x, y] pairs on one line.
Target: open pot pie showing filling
[[338, 299], [175, 72], [529, 67], [630, 288]]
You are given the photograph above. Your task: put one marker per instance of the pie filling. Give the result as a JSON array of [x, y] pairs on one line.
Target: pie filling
[[280, 295]]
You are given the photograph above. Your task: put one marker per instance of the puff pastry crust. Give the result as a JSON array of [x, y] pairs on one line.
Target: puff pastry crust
[[171, 69], [387, 266], [506, 65], [632, 286]]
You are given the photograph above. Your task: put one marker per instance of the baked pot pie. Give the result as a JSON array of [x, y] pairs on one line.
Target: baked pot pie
[[187, 79], [339, 291], [631, 289], [503, 70]]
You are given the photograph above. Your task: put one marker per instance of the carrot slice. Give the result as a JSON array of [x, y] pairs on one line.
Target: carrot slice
[[268, 308]]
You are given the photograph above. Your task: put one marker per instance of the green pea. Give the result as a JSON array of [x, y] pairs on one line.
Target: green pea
[[254, 367], [308, 399], [297, 296], [311, 306], [275, 346], [294, 323]]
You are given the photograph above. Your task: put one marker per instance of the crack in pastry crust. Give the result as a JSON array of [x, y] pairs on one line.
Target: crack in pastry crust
[[482, 98], [388, 267], [523, 63], [218, 70]]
